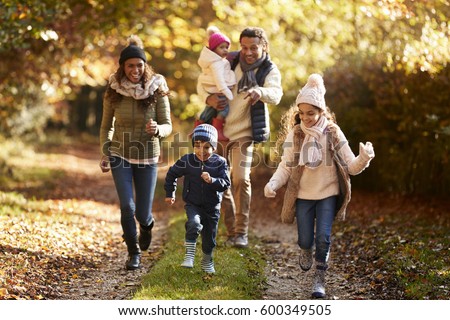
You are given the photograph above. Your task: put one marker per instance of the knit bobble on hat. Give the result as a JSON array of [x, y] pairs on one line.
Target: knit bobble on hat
[[205, 132], [135, 49], [313, 92], [215, 38]]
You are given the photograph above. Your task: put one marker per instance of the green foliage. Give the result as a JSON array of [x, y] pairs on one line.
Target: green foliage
[[404, 115], [49, 50], [239, 274]]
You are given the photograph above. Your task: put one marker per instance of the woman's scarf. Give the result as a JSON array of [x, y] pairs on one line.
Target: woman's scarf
[[248, 79], [310, 153], [135, 90]]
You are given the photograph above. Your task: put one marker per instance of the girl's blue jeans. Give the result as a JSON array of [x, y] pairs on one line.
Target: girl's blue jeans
[[199, 221], [143, 178], [319, 214]]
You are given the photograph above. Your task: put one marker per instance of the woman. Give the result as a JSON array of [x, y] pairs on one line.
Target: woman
[[136, 114]]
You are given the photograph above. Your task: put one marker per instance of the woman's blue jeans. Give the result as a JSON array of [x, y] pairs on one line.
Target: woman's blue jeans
[[320, 213], [144, 178]]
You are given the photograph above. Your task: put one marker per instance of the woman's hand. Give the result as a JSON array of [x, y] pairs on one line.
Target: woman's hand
[[104, 164], [151, 127]]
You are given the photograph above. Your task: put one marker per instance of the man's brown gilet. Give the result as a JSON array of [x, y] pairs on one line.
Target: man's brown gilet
[[291, 194]]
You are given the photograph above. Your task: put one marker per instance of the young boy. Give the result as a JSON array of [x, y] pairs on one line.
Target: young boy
[[205, 179]]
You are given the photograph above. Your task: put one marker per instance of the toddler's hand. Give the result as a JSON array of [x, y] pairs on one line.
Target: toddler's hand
[[268, 191], [205, 176], [170, 201], [227, 92]]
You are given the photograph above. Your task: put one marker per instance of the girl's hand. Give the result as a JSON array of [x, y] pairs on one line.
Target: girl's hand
[[366, 150], [170, 201], [268, 190], [151, 127], [205, 176]]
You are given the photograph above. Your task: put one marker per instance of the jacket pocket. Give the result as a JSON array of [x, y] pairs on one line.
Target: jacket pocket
[[186, 190]]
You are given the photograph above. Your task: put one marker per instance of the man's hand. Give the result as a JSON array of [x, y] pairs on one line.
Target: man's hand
[[217, 100], [254, 94]]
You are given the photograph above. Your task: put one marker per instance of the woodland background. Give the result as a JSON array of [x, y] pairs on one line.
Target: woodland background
[[385, 65]]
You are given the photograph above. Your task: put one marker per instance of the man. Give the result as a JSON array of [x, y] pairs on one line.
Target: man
[[259, 84]]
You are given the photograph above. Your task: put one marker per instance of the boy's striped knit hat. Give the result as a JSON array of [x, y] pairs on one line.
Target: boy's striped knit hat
[[205, 132]]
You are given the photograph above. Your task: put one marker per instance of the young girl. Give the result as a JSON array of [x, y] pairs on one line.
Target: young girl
[[216, 77], [316, 165], [205, 179]]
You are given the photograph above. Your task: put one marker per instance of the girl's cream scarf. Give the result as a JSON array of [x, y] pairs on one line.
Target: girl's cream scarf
[[311, 153]]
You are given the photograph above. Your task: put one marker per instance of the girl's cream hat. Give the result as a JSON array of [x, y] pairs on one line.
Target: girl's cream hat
[[313, 92]]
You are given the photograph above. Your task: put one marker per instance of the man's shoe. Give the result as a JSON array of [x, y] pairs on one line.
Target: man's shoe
[[241, 241], [229, 242], [306, 259]]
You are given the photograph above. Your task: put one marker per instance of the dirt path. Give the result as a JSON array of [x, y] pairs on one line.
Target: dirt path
[[354, 271], [111, 281]]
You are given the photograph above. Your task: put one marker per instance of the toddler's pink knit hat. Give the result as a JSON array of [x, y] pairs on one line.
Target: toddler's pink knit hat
[[216, 38]]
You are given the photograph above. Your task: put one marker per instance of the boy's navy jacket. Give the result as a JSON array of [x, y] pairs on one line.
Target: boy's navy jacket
[[195, 190]]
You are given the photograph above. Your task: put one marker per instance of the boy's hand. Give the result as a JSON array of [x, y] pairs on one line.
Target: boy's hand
[[205, 176], [170, 201]]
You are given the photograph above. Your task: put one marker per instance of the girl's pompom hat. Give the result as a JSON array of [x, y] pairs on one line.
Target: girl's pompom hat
[[216, 38], [313, 92], [135, 49]]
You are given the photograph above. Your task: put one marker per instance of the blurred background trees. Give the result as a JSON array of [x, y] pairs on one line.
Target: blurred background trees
[[385, 65]]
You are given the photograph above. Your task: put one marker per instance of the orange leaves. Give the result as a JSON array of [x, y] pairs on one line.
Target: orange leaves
[[49, 244]]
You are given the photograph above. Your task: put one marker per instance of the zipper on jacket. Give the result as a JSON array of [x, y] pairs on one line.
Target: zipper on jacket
[[201, 171]]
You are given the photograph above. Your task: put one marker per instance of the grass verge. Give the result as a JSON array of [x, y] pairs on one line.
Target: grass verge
[[239, 273], [421, 263]]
